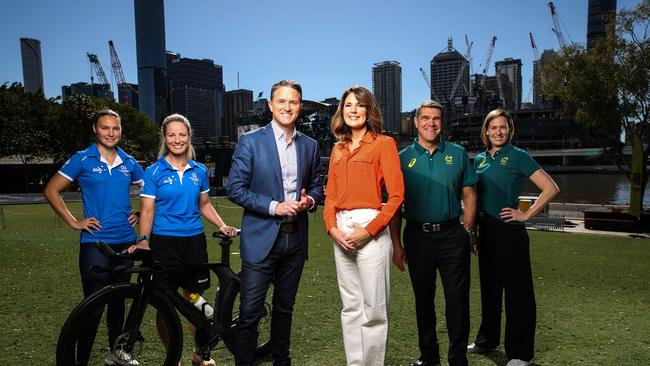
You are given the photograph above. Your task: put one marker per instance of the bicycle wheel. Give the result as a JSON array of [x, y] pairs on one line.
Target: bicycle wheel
[[229, 312], [85, 338]]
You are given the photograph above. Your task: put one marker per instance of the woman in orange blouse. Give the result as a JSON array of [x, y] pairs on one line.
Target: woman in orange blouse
[[363, 162]]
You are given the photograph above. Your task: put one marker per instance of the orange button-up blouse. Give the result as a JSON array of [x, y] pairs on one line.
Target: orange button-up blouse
[[356, 179]]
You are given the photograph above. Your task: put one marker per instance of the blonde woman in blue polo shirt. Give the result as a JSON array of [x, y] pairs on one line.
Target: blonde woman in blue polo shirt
[[104, 173], [504, 257], [173, 199]]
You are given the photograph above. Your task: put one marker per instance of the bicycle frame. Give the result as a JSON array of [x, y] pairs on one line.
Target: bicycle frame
[[151, 278]]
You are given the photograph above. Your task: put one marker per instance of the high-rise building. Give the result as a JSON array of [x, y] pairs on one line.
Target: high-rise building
[[512, 69], [152, 65], [445, 69], [597, 24], [30, 51], [538, 79], [237, 103], [196, 91], [132, 95], [387, 88], [91, 90]]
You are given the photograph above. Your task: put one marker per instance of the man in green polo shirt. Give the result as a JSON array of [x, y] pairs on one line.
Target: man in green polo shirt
[[437, 175]]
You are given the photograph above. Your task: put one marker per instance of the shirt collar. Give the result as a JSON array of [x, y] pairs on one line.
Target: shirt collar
[[278, 132], [420, 149], [368, 138], [504, 150], [92, 150], [191, 164]]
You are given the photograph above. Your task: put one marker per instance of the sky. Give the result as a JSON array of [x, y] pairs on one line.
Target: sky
[[326, 45]]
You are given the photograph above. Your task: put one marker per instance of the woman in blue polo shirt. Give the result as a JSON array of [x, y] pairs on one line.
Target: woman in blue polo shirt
[[104, 173], [173, 199], [504, 257]]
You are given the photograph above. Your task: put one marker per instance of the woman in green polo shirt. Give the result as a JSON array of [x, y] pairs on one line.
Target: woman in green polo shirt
[[504, 257]]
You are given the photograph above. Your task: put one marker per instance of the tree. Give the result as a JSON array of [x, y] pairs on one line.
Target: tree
[[140, 136], [24, 119], [606, 89], [72, 130]]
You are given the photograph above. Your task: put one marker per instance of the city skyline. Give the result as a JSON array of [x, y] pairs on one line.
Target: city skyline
[[326, 48]]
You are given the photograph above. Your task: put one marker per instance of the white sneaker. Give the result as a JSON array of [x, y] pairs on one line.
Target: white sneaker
[[517, 362], [473, 348], [120, 358]]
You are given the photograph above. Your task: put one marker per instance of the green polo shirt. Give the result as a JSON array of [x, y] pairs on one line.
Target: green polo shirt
[[434, 182], [501, 178]]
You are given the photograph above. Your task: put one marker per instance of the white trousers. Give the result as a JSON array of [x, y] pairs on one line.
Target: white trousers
[[364, 283]]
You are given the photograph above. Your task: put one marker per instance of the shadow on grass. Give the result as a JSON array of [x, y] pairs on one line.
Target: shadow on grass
[[498, 357]]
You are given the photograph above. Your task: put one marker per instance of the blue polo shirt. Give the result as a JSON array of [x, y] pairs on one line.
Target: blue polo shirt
[[177, 197], [105, 192], [434, 182], [501, 179]]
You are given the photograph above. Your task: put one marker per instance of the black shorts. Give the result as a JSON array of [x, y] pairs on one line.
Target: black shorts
[[183, 250]]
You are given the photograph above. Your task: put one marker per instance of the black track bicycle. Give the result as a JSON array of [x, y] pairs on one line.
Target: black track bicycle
[[150, 311]]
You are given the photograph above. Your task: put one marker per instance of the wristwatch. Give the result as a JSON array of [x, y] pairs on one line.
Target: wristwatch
[[143, 237]]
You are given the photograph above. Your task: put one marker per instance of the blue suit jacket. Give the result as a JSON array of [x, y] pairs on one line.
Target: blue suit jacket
[[256, 178]]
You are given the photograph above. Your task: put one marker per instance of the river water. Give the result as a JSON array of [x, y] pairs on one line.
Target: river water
[[599, 188]]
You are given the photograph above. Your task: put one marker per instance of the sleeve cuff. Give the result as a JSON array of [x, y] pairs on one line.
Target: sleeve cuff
[[272, 207], [65, 176]]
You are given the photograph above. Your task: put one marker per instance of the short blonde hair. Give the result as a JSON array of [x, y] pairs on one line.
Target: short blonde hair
[[499, 112], [189, 154]]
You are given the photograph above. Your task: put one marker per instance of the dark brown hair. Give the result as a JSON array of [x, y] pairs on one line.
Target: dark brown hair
[[374, 123]]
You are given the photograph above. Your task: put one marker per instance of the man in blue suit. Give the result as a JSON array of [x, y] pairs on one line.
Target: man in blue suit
[[276, 177]]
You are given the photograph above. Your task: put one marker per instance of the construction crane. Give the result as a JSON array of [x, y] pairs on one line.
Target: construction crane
[[426, 79], [99, 70], [468, 45], [488, 59], [122, 86], [533, 45], [460, 73], [501, 96], [556, 25]]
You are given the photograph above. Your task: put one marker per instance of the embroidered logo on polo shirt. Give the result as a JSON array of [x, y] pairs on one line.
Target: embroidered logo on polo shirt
[[449, 159], [412, 162], [98, 169], [124, 170], [168, 180], [504, 160], [195, 179]]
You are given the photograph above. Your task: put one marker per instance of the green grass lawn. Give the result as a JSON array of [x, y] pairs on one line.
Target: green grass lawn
[[593, 296]]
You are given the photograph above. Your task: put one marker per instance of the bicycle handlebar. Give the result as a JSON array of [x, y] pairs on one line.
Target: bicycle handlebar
[[138, 254], [222, 236]]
